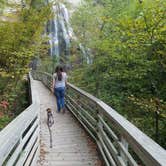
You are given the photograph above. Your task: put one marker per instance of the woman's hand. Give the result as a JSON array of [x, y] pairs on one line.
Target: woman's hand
[[53, 85], [52, 89]]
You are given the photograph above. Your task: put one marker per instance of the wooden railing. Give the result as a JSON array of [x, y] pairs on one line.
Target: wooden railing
[[119, 141], [19, 141]]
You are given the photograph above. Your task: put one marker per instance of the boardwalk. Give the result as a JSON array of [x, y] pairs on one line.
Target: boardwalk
[[115, 137], [71, 144]]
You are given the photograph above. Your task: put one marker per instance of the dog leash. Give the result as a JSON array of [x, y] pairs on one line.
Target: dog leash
[[50, 132]]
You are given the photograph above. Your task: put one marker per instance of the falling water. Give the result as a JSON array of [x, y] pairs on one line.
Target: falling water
[[61, 34], [59, 31], [86, 54], [53, 34]]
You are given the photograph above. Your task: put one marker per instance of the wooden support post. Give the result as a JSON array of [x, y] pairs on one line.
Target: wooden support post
[[125, 145]]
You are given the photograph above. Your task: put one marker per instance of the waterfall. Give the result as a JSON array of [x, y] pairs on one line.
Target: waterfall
[[53, 34], [59, 32], [86, 54]]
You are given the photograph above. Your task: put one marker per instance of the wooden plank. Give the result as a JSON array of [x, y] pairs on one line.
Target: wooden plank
[[29, 147], [19, 148], [103, 154], [11, 136], [71, 144], [111, 133], [120, 161], [32, 154], [69, 156], [109, 144], [90, 108], [36, 157], [128, 155], [84, 120], [108, 154], [81, 114], [71, 163], [12, 133], [147, 150], [83, 111], [89, 96], [84, 125]]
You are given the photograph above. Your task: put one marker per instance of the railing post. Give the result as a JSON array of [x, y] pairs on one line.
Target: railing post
[[99, 127], [122, 154], [100, 141], [99, 123]]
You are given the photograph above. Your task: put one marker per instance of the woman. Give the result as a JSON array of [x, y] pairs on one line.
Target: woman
[[59, 86]]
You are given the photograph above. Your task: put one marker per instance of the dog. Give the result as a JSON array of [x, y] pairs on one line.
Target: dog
[[50, 118]]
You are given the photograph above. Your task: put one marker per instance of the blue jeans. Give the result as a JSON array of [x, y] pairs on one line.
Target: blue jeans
[[60, 97]]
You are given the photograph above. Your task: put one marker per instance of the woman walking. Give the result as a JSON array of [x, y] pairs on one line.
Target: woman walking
[[59, 86]]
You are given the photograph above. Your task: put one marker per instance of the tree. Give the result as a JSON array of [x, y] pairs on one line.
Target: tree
[[127, 41], [21, 39]]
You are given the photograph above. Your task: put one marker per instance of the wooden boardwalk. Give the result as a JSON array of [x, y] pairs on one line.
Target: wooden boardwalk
[[71, 146]]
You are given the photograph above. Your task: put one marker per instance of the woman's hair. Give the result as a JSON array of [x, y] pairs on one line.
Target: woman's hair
[[59, 71]]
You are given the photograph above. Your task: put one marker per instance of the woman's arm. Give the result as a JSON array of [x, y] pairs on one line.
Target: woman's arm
[[53, 83], [66, 80]]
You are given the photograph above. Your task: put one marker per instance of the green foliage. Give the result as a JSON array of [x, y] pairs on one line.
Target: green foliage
[[4, 121], [48, 64], [127, 40], [1, 4], [9, 91], [21, 40], [13, 101]]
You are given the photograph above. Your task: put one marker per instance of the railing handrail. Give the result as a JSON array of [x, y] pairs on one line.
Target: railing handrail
[[147, 150], [33, 93], [135, 135], [20, 138]]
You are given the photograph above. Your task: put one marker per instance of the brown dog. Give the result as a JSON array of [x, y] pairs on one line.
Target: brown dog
[[50, 118]]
